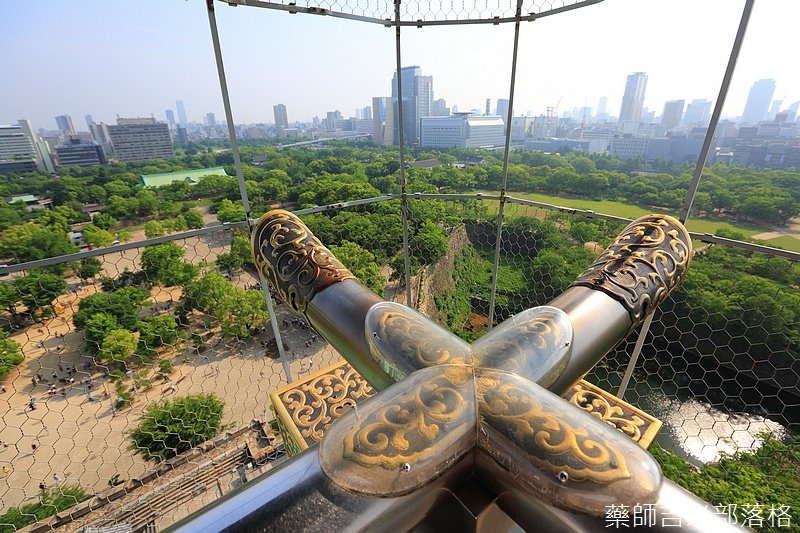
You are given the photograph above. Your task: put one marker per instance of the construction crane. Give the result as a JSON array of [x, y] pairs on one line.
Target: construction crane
[[551, 113]]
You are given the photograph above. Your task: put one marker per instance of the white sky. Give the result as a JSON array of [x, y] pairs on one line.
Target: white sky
[[137, 57]]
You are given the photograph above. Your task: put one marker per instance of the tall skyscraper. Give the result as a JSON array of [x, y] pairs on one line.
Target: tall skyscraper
[[602, 106], [488, 107], [281, 119], [211, 120], [379, 105], [65, 126], [170, 117], [775, 108], [502, 108], [141, 139], [89, 122], [673, 113], [755, 110], [417, 102], [633, 99], [181, 113], [698, 114]]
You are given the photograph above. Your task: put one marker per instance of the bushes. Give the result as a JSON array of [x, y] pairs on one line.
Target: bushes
[[172, 427], [51, 501], [767, 477]]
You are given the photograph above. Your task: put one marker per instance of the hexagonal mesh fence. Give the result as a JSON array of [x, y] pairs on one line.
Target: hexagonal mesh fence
[[137, 382]]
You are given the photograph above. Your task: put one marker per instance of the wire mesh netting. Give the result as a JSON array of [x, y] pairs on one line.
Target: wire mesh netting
[[421, 11]]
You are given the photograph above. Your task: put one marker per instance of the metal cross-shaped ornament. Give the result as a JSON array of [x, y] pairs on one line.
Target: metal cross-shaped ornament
[[453, 415]]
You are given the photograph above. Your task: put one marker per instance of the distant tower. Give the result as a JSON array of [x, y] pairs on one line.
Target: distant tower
[[417, 103], [181, 113], [755, 110], [673, 113], [775, 108], [89, 121], [502, 108], [170, 117], [64, 123], [698, 114], [281, 119], [602, 105], [211, 120], [488, 106], [379, 106], [633, 99]]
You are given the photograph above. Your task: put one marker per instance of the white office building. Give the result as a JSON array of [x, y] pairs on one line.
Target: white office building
[[141, 139], [462, 131]]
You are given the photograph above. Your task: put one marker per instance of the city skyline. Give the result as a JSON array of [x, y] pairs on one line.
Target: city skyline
[[123, 75]]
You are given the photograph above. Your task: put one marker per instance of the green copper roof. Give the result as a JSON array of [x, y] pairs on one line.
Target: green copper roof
[[191, 176]]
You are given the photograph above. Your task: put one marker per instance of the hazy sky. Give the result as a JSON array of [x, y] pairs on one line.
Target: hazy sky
[[135, 58]]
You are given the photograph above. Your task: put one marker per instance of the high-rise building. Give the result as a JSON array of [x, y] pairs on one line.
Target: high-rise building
[[182, 135], [281, 119], [79, 153], [698, 114], [65, 126], [366, 113], [502, 108], [141, 139], [379, 106], [792, 114], [633, 99], [755, 110], [602, 106], [181, 113], [22, 150], [211, 120], [89, 122], [488, 107], [170, 117], [417, 102], [673, 113], [775, 108], [439, 108]]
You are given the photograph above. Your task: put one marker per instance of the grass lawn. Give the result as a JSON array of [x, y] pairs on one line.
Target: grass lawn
[[787, 242], [620, 209]]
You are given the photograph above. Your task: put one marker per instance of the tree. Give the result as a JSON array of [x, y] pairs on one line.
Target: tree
[[229, 262], [162, 264], [230, 212], [194, 220], [104, 221], [172, 427], [124, 235], [362, 264], [98, 327], [89, 268], [236, 310], [429, 244], [123, 304], [39, 289], [153, 229], [156, 331], [9, 298], [147, 203], [29, 242], [96, 237], [118, 346], [10, 354]]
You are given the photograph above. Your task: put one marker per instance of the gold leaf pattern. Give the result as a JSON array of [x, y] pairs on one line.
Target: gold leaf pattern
[[643, 264], [293, 260]]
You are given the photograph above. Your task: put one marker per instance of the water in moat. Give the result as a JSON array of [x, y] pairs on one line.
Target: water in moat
[[700, 431]]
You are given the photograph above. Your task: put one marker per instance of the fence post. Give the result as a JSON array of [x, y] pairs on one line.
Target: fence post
[[237, 161], [698, 170], [504, 179]]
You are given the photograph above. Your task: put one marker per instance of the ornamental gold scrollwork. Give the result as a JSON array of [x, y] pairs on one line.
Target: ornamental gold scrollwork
[[646, 261], [293, 260], [402, 340], [549, 438], [599, 407], [317, 403], [416, 425]]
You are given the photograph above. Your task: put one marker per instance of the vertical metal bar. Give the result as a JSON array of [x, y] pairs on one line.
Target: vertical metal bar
[[698, 170], [400, 137], [237, 160], [504, 179], [712, 127]]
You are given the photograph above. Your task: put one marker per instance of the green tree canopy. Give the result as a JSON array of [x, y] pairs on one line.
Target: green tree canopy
[[230, 212], [118, 346], [153, 228], [39, 289], [96, 237], [97, 328], [362, 264], [172, 427], [162, 263], [10, 354], [156, 331], [194, 220], [89, 268], [123, 304]]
